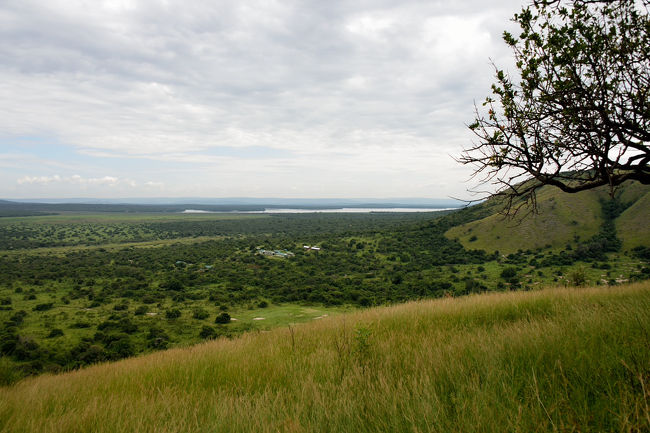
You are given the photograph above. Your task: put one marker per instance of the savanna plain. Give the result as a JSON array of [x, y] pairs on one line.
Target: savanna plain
[[432, 321]]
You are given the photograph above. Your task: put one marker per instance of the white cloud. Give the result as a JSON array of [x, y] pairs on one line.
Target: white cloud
[[74, 179], [361, 90], [375, 27], [39, 179]]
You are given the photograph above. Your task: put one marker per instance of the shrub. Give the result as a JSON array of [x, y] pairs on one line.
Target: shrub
[[223, 318], [207, 332], [80, 325], [157, 338], [578, 276], [26, 348], [641, 252], [473, 286], [174, 313], [200, 314], [508, 273], [121, 348], [173, 285], [178, 297], [89, 354], [18, 317], [56, 332]]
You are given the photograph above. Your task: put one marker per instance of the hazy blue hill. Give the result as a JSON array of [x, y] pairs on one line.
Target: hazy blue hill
[[253, 201], [175, 205]]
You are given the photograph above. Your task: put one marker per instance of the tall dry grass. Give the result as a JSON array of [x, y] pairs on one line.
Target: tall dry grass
[[552, 360]]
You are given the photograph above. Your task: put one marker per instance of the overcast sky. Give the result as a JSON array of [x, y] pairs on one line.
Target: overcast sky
[[243, 98]]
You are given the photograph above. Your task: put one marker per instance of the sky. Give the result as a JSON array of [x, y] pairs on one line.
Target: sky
[[296, 99]]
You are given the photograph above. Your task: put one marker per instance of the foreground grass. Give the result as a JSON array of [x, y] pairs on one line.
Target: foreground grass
[[551, 360]]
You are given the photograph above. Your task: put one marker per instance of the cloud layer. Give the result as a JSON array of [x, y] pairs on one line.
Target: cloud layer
[[256, 98]]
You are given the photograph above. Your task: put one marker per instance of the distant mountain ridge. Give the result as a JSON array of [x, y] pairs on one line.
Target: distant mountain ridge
[[29, 207], [251, 201]]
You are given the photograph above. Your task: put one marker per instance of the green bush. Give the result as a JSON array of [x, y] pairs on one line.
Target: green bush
[[578, 276], [174, 313], [56, 332], [207, 332], [200, 314], [223, 318], [508, 273], [44, 307]]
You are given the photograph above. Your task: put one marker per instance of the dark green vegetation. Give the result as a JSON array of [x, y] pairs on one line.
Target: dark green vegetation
[[10, 208], [80, 289], [99, 229]]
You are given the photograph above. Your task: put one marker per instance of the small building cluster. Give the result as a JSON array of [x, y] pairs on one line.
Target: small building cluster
[[311, 248], [275, 253]]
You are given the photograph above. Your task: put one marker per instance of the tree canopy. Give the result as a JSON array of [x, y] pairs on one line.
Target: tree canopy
[[576, 115]]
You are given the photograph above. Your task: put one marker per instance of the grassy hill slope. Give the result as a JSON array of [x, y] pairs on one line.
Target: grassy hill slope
[[565, 359], [633, 225], [562, 217]]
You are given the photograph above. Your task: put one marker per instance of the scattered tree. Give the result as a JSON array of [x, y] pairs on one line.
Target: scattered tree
[[223, 318], [200, 314], [174, 313], [207, 332]]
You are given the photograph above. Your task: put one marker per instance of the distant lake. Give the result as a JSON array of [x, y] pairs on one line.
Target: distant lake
[[339, 210]]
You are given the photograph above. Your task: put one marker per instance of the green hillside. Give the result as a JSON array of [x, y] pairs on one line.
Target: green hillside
[[551, 360], [633, 225], [561, 219]]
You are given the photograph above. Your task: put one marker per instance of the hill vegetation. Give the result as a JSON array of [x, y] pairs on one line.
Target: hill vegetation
[[561, 219], [551, 360], [632, 225]]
